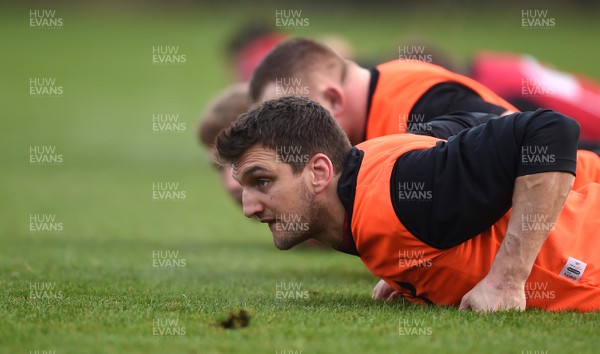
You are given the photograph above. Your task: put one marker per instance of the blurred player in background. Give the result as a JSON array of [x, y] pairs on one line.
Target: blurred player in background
[[249, 45], [529, 84], [219, 114], [254, 40], [525, 82], [396, 97], [368, 103]]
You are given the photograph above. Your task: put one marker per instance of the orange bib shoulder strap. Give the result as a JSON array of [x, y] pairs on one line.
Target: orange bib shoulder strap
[[400, 86]]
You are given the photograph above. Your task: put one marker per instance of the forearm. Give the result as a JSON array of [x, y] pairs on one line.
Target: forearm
[[541, 166], [537, 202]]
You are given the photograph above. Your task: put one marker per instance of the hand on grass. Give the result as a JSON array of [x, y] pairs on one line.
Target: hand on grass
[[488, 297], [383, 291]]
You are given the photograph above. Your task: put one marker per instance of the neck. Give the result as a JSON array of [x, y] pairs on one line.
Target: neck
[[333, 220], [356, 86]]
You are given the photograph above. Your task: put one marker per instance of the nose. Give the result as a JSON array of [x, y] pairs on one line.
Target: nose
[[232, 186], [251, 205]]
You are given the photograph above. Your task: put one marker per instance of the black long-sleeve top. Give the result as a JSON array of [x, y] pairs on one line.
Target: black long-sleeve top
[[464, 185]]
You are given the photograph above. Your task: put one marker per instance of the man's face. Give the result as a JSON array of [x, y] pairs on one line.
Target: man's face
[[277, 197]]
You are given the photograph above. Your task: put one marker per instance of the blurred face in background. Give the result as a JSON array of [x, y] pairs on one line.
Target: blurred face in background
[[221, 111], [229, 183]]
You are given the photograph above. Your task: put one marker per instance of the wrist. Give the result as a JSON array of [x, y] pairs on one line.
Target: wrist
[[507, 275], [511, 266], [505, 282]]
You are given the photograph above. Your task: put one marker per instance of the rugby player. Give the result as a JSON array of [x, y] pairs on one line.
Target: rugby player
[[467, 222], [368, 103]]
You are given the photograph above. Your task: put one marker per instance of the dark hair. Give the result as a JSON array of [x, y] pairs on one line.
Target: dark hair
[[292, 58], [286, 122]]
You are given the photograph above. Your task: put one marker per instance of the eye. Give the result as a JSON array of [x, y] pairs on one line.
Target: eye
[[263, 182]]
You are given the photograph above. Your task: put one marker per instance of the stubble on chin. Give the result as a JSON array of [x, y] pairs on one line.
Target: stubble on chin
[[313, 215], [285, 242]]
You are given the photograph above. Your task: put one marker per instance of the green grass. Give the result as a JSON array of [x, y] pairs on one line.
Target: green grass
[[101, 263]]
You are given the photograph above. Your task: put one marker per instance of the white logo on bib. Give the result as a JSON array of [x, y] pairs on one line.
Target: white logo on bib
[[573, 270]]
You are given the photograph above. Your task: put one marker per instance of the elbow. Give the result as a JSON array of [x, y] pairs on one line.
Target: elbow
[[560, 125], [569, 126], [550, 143]]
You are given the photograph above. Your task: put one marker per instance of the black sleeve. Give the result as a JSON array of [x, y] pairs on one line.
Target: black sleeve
[[447, 125], [450, 97], [452, 192], [590, 145]]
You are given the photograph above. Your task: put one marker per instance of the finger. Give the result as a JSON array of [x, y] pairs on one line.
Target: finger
[[375, 293], [465, 304], [394, 295]]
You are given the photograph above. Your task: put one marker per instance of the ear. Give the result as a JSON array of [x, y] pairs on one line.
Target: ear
[[336, 98], [321, 172]]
